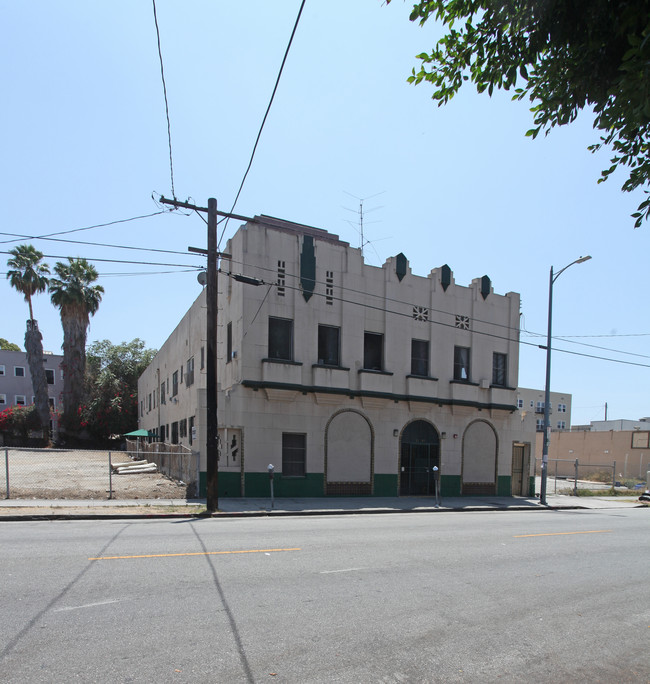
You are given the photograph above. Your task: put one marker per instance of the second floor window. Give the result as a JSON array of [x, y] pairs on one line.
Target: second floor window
[[420, 357], [499, 369], [189, 374], [461, 364], [174, 383], [49, 375], [329, 345], [19, 371], [280, 339], [373, 351], [162, 393]]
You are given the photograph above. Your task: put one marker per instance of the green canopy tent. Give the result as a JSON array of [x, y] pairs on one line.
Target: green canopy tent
[[139, 434]]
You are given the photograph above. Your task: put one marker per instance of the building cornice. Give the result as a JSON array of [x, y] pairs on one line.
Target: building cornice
[[315, 389]]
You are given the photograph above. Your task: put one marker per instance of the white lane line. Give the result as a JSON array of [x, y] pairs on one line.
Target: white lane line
[[329, 572], [87, 605]]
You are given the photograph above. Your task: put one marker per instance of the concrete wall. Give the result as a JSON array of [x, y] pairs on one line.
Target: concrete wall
[[597, 449]]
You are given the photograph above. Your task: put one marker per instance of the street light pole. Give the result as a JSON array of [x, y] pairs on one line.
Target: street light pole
[[547, 387]]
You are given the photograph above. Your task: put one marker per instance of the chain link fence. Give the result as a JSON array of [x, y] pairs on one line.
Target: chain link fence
[[565, 473], [84, 474]]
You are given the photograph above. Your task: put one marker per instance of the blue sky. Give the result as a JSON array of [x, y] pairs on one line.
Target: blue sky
[[84, 142]]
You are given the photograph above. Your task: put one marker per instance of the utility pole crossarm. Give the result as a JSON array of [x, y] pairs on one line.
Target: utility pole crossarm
[[193, 207]]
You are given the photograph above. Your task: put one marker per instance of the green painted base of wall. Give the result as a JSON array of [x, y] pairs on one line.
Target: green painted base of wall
[[531, 487], [385, 485], [450, 485], [229, 484], [258, 484], [504, 485]]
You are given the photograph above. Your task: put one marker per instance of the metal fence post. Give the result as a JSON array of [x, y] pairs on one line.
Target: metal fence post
[[7, 470], [575, 486], [613, 474], [110, 477]]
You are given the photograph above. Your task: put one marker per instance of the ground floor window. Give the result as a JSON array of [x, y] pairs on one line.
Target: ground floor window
[[294, 454], [174, 439]]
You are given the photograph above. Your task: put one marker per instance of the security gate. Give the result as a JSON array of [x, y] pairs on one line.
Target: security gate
[[420, 452]]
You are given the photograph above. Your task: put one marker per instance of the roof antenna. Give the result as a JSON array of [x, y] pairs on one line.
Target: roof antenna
[[361, 200]]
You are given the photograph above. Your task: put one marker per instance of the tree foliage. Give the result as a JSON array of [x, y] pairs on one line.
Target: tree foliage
[[112, 371], [563, 55], [8, 346], [26, 273]]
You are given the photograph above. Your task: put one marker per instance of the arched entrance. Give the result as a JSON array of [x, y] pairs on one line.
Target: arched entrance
[[479, 470], [348, 455], [419, 453]]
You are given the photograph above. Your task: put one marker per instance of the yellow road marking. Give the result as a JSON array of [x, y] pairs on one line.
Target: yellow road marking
[[555, 534], [196, 553]]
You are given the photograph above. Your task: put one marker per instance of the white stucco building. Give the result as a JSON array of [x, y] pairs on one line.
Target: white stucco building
[[350, 379]]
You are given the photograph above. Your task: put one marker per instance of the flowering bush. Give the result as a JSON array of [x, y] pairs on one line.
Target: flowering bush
[[19, 420]]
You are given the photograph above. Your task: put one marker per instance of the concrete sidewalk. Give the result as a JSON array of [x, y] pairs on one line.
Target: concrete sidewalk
[[25, 509]]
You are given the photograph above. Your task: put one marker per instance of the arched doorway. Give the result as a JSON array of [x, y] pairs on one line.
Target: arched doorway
[[479, 460], [348, 455], [419, 453]]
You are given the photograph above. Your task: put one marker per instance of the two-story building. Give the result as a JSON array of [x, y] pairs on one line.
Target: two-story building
[[350, 379]]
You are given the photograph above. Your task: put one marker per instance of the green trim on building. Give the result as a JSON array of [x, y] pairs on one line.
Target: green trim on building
[[229, 484], [504, 485], [531, 486], [316, 389], [385, 485], [450, 485], [257, 484]]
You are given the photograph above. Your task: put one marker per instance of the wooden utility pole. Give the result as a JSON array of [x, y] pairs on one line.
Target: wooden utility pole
[[212, 302], [212, 310]]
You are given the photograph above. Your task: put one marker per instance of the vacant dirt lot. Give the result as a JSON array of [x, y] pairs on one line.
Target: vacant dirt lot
[[68, 474]]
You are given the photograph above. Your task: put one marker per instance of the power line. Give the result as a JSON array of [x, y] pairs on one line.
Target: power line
[[440, 311], [162, 75], [268, 109], [123, 261], [96, 244], [97, 225], [452, 325], [585, 344]]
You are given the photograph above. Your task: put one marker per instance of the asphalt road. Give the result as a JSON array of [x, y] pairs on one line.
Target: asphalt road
[[444, 597]]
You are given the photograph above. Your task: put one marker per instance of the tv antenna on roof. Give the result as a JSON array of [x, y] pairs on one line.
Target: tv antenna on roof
[[359, 211]]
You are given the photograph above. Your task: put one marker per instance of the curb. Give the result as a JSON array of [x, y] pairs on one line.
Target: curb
[[50, 517]]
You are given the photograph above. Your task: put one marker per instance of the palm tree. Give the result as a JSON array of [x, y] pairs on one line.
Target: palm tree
[[29, 276], [77, 299]]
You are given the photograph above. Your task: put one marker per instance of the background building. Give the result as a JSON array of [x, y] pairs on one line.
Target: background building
[[350, 379], [530, 403], [16, 381]]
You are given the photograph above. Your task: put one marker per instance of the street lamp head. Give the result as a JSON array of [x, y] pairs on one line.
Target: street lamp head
[[582, 259]]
